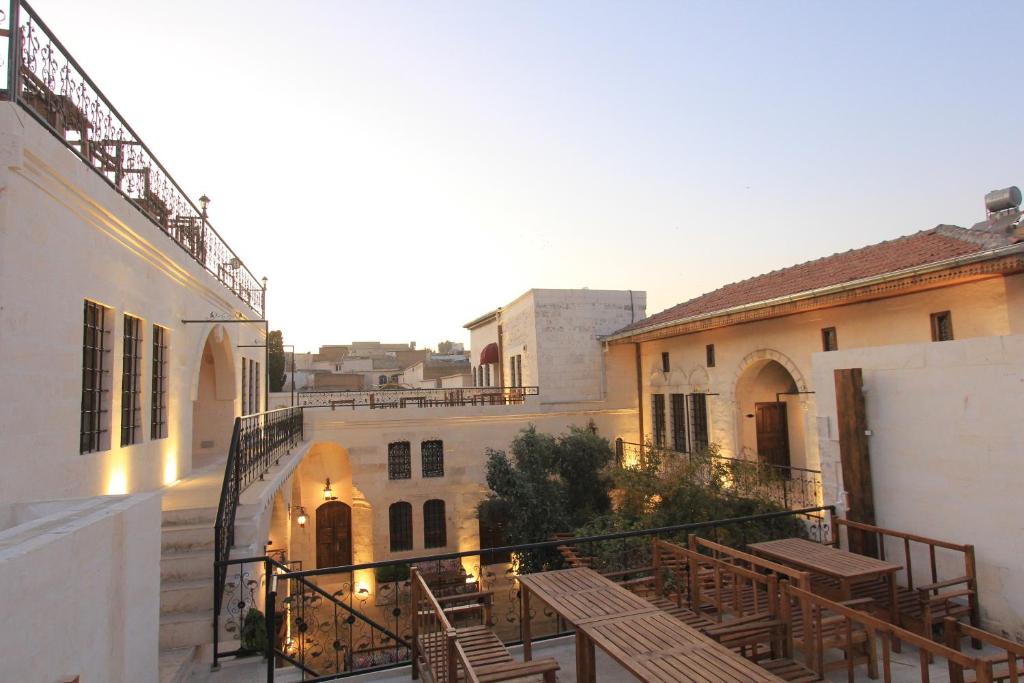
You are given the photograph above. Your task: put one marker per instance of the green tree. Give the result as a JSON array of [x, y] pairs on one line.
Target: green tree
[[275, 360]]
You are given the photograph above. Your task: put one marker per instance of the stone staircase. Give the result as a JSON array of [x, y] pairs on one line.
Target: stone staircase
[[186, 588]]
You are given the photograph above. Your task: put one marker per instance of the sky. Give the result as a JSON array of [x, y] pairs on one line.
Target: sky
[[397, 169]]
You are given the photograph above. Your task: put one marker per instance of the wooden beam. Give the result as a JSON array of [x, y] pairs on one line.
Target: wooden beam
[[855, 458]]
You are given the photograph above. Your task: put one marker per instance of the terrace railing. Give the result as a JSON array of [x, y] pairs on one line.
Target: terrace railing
[[790, 487], [417, 398], [257, 443], [52, 87], [333, 622]]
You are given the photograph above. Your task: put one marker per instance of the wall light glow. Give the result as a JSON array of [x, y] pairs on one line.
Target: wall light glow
[[117, 481], [170, 468]]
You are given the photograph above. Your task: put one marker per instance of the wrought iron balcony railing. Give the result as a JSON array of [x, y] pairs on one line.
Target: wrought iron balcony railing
[[52, 87], [417, 398]]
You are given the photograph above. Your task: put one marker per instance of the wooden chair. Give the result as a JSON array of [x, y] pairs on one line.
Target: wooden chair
[[922, 607], [1005, 666], [475, 654]]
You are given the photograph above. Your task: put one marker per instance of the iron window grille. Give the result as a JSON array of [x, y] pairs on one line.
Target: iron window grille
[[400, 526], [699, 421], [399, 460], [942, 326], [519, 369], [829, 339], [131, 382], [512, 371], [245, 386], [94, 429], [709, 352], [666, 366], [679, 431], [658, 418], [158, 399], [257, 397], [435, 532], [432, 453]]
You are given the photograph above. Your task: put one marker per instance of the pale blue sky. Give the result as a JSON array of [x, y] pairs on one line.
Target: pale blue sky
[[397, 169]]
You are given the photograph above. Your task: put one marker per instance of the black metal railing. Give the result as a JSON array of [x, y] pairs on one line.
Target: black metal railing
[[257, 443], [790, 487], [49, 84], [335, 622], [418, 398]]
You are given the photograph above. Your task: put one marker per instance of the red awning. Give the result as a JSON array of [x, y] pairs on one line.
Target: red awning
[[489, 354]]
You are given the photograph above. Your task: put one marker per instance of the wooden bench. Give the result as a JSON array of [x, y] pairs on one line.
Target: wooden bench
[[922, 607], [473, 654], [1007, 665]]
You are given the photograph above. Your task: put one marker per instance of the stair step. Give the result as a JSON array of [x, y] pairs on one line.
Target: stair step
[[186, 629], [186, 566], [176, 664], [186, 596], [186, 537], [189, 516]]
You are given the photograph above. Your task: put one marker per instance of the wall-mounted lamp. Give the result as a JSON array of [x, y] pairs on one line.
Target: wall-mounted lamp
[[328, 493], [301, 516]]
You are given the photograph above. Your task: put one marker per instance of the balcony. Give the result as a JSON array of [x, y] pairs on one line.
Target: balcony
[[46, 81]]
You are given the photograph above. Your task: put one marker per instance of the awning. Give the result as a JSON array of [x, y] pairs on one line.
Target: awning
[[489, 354]]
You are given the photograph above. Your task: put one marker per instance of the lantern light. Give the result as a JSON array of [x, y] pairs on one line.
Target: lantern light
[[328, 493]]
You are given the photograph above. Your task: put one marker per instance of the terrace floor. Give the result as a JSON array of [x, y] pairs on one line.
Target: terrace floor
[[905, 668]]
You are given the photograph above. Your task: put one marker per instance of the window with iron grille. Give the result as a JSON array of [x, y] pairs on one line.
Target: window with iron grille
[[512, 371], [709, 352], [942, 326], [665, 365], [679, 441], [257, 397], [158, 398], [829, 340], [435, 532], [94, 429], [245, 386], [432, 453], [131, 382], [487, 375], [698, 421], [658, 418], [400, 526], [399, 460], [519, 369]]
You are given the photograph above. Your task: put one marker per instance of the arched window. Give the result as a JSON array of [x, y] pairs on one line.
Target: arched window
[[435, 532], [401, 526], [382, 380], [333, 534], [432, 454]]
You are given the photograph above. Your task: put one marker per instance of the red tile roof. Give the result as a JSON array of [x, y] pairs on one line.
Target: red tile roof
[[922, 248]]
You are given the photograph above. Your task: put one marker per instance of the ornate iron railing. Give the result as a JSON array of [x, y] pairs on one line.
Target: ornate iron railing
[[257, 443], [50, 85], [790, 487], [333, 622], [418, 398]]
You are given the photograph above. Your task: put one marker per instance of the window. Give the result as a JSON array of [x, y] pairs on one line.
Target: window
[[829, 340], [399, 460], [487, 375], [699, 421], [400, 526], [432, 454], [679, 442], [245, 386], [665, 365], [658, 418], [435, 533], [131, 382], [255, 401], [512, 371], [709, 352], [382, 380], [942, 326], [519, 369], [95, 418], [158, 397]]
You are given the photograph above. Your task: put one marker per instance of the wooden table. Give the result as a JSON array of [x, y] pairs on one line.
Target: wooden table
[[651, 644], [848, 568], [659, 647]]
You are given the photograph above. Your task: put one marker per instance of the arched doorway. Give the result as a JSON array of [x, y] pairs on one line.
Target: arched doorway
[[333, 534], [770, 415], [213, 405]]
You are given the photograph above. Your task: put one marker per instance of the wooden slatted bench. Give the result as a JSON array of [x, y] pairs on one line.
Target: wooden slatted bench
[[473, 654]]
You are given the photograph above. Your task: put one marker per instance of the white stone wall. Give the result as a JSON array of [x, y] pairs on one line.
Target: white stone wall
[[81, 590], [66, 236], [945, 445]]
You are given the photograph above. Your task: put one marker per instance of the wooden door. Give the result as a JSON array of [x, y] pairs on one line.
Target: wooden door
[[772, 433], [333, 534]]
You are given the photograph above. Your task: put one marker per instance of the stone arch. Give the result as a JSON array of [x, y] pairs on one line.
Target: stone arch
[[762, 356], [213, 398], [770, 418]]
